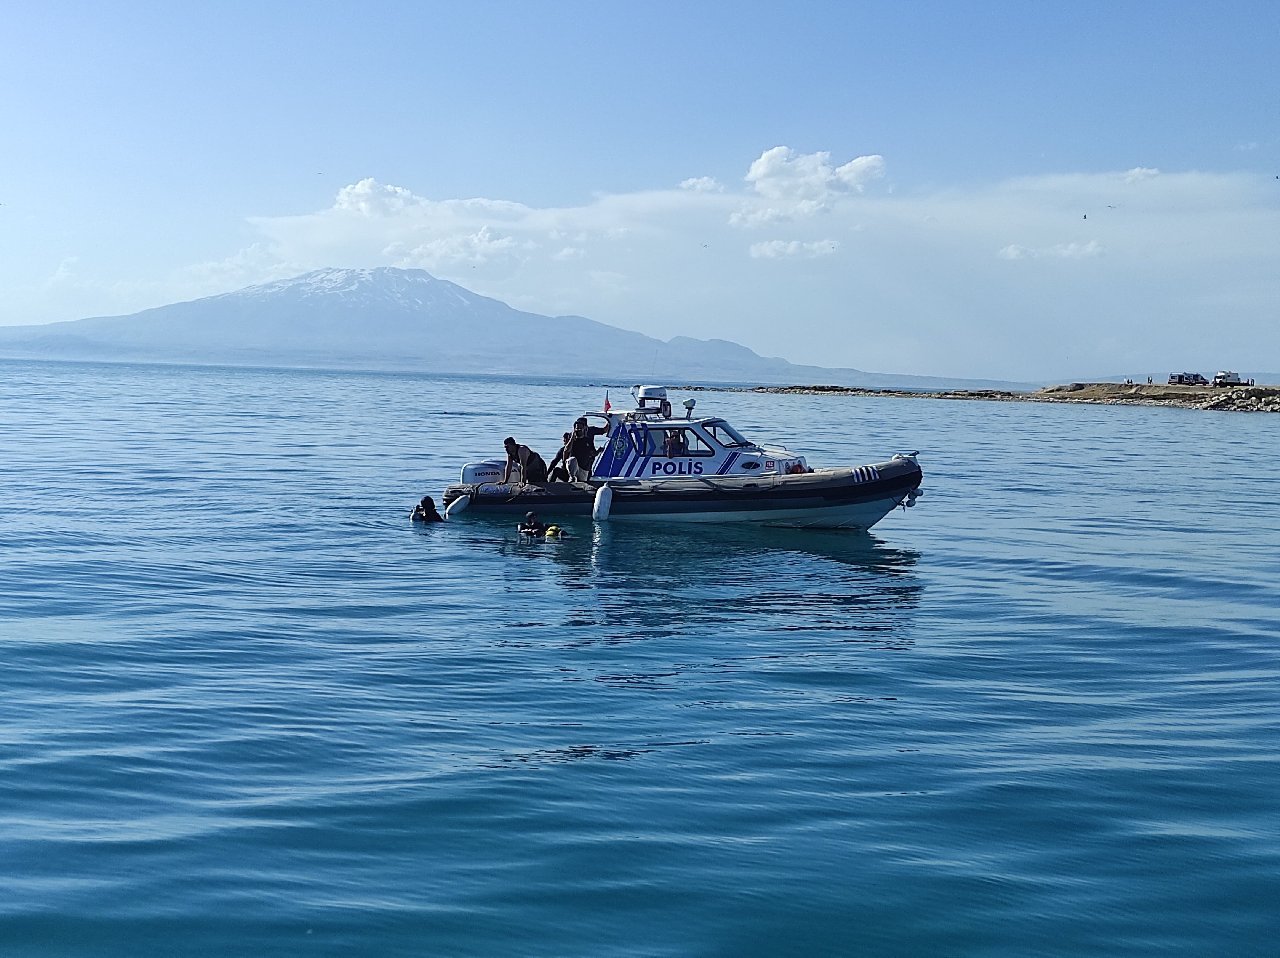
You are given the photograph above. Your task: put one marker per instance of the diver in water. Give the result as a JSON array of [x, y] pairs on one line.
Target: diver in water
[[535, 528], [425, 511], [532, 525]]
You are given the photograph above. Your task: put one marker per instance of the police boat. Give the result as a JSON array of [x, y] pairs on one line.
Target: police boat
[[653, 465]]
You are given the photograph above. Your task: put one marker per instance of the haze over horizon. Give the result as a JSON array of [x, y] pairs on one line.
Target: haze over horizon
[[996, 191]]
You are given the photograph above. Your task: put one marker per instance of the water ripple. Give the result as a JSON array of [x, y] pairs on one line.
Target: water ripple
[[248, 707]]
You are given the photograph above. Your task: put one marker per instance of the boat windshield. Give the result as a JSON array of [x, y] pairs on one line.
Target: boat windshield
[[725, 434]]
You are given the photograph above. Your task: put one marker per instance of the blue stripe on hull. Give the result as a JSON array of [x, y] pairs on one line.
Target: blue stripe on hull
[[728, 463]]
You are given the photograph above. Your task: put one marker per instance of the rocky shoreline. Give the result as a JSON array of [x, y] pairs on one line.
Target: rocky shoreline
[[1231, 399]]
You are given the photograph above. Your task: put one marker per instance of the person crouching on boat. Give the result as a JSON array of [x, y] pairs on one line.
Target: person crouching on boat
[[425, 511], [582, 449], [559, 471], [533, 468]]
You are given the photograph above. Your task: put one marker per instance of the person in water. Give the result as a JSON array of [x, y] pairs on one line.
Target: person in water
[[533, 468], [582, 449], [532, 525], [425, 511], [559, 471]]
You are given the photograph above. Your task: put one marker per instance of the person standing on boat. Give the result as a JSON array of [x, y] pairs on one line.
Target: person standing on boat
[[533, 468], [582, 449]]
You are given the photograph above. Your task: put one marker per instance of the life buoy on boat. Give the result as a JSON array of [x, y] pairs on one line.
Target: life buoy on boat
[[458, 505], [603, 503]]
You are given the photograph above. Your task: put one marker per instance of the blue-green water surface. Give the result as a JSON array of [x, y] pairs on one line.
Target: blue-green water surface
[[246, 708]]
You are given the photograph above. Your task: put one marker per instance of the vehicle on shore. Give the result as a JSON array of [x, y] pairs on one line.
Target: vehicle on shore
[[654, 465], [1226, 377], [1187, 379]]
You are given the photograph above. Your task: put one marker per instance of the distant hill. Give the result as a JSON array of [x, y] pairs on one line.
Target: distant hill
[[406, 319]]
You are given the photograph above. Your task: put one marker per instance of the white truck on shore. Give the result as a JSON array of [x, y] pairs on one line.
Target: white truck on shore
[[1225, 377]]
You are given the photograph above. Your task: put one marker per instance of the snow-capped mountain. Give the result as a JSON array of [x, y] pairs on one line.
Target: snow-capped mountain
[[406, 319], [365, 288]]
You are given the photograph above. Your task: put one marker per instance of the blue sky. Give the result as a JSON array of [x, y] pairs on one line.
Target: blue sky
[[1016, 190]]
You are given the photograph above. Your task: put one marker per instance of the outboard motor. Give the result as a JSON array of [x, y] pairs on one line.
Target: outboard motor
[[475, 473]]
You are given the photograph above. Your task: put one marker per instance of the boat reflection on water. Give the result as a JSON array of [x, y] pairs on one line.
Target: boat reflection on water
[[742, 583], [631, 640], [625, 583]]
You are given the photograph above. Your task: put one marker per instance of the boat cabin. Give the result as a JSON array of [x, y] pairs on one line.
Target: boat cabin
[[649, 442]]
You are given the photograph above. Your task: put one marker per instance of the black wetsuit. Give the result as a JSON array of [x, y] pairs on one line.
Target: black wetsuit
[[532, 469], [559, 471], [535, 468], [582, 446]]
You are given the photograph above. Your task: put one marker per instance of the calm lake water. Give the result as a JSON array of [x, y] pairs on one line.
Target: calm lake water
[[246, 708]]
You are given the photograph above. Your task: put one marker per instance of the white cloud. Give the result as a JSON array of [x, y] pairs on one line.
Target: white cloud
[[752, 215], [749, 218], [787, 249], [482, 246], [1077, 250], [64, 274], [1086, 250], [254, 264], [1140, 173], [783, 174], [859, 171], [790, 186], [702, 184], [370, 198]]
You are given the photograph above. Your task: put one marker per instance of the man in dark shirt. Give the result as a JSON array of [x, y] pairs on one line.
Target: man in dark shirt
[[559, 471], [582, 449]]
